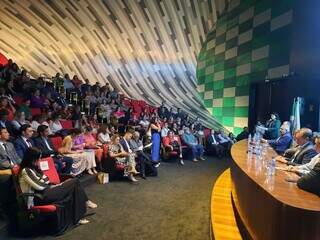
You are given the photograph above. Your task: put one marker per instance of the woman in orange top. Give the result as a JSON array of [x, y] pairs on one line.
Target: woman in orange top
[[91, 143], [172, 143]]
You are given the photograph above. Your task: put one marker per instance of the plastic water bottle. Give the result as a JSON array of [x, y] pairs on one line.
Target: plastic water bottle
[[272, 167], [249, 142]]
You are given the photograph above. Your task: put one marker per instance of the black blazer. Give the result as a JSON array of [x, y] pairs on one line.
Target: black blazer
[[311, 181], [21, 146], [46, 152], [303, 156]]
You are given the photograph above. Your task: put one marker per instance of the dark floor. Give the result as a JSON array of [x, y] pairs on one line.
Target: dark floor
[[175, 205]]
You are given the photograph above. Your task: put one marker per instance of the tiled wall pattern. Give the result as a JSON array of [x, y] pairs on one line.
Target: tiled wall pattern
[[146, 49], [250, 42]]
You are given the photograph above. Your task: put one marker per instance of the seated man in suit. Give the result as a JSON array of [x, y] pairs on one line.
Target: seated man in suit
[[311, 181], [213, 145], [63, 163], [8, 160], [301, 154], [8, 155], [4, 123], [192, 142], [282, 143], [147, 167], [24, 141]]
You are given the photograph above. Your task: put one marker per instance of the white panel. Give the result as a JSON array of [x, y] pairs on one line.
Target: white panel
[[243, 69], [229, 92], [262, 18], [281, 21]]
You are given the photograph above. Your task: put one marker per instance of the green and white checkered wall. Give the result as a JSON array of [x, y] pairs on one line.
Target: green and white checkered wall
[[250, 41]]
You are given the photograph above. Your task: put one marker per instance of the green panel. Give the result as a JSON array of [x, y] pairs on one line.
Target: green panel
[[282, 7], [208, 86], [217, 111], [228, 121], [219, 57], [241, 112], [201, 95], [237, 130], [245, 48], [233, 22], [259, 42], [228, 111], [219, 67], [218, 93], [208, 103], [209, 78], [261, 30], [259, 65], [245, 26], [244, 58], [232, 43], [243, 80], [258, 76], [242, 91], [229, 73], [231, 63], [230, 82], [228, 101], [201, 79], [262, 5], [220, 39], [218, 85]]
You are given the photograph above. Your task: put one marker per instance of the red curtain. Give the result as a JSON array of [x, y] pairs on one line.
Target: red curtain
[[3, 59]]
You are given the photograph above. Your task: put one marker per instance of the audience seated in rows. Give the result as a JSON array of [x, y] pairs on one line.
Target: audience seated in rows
[[73, 146]]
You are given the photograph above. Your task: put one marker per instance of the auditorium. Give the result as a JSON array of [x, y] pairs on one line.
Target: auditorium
[[159, 119]]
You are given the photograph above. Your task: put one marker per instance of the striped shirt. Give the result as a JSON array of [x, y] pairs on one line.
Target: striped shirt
[[31, 181]]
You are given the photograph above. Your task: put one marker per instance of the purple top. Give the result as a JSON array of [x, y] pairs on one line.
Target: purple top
[[78, 141], [37, 102]]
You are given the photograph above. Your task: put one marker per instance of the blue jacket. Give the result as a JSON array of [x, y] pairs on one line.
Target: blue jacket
[[21, 146], [281, 144]]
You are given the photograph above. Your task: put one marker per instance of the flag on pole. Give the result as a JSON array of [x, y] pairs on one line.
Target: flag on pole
[[296, 107]]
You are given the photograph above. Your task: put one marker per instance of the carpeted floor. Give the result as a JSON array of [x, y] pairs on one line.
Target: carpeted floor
[[175, 205]]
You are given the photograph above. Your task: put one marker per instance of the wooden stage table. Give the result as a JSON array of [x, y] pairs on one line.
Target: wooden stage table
[[269, 207]]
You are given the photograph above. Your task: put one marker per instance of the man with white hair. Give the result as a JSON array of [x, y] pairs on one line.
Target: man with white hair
[[282, 143], [146, 166]]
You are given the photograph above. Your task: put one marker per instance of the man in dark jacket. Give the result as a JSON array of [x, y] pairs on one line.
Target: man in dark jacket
[[282, 143], [24, 141], [311, 181], [8, 155], [301, 154], [62, 163]]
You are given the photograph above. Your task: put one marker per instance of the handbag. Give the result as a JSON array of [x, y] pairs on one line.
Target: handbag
[[102, 178]]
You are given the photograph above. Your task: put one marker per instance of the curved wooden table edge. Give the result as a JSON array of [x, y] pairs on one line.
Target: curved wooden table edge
[[223, 221], [312, 208]]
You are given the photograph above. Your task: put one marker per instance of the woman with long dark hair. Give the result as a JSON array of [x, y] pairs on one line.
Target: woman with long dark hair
[[32, 180], [155, 139]]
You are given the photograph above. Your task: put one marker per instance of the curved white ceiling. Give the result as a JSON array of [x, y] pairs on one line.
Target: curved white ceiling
[[146, 49]]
